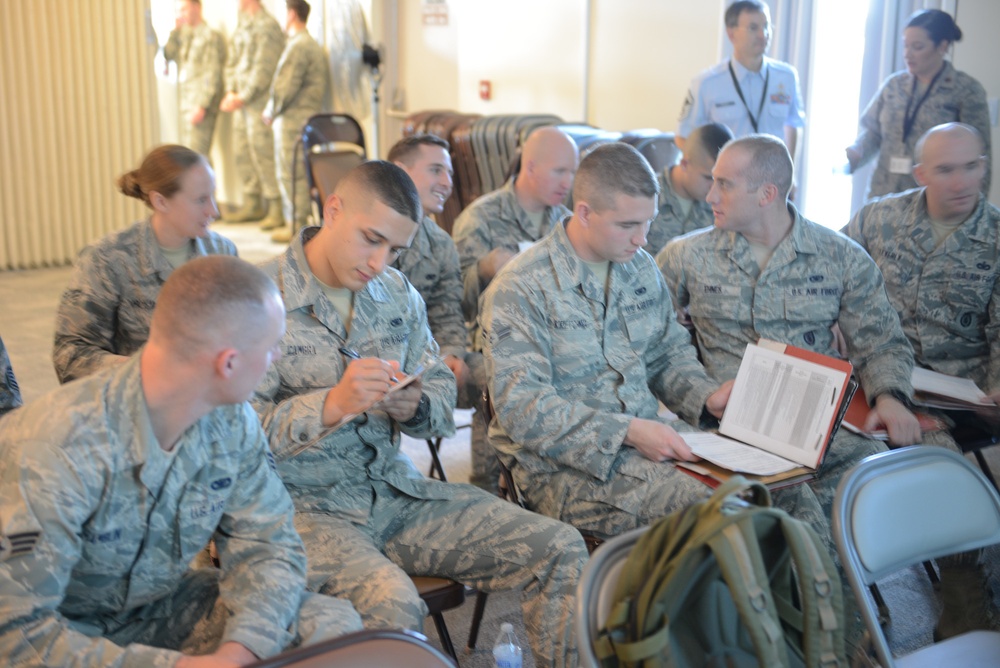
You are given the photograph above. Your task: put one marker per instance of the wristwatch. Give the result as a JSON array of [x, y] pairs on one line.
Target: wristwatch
[[422, 413]]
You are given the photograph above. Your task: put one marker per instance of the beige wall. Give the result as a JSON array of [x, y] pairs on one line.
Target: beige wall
[[617, 64], [977, 55]]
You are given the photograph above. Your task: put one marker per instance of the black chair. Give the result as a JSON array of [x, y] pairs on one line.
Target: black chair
[[333, 144]]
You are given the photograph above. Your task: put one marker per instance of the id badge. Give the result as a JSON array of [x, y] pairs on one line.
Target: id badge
[[900, 165]]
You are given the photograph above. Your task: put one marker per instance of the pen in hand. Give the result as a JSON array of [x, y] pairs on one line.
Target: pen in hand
[[347, 352]]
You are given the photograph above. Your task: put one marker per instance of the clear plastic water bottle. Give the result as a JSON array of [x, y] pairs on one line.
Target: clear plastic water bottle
[[506, 651]]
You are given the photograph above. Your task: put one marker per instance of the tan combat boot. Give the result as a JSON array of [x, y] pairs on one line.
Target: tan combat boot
[[251, 210], [274, 218]]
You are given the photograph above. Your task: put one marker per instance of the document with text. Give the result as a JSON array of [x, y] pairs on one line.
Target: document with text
[[784, 409]]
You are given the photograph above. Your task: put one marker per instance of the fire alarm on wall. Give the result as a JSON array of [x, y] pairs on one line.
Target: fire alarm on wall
[[485, 90]]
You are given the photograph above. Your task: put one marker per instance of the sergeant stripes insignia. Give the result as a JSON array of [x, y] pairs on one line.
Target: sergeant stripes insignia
[[18, 544]]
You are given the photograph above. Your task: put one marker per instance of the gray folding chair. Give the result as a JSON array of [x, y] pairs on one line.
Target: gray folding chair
[[906, 506], [596, 589], [372, 648]]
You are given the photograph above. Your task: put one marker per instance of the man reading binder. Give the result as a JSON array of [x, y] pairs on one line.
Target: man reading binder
[[764, 271]]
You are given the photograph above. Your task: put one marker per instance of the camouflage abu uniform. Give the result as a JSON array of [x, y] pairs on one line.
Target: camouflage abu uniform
[[104, 314], [671, 220], [10, 393], [430, 264], [495, 220], [100, 524], [255, 49], [955, 97], [365, 513], [299, 90], [948, 297], [569, 369], [200, 54], [815, 278]]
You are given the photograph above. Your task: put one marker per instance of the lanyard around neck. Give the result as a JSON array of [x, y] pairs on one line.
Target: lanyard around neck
[[763, 95], [908, 118]]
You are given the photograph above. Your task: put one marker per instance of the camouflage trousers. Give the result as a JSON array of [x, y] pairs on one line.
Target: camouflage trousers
[[485, 470], [199, 137], [474, 538], [640, 491], [287, 133], [253, 150], [193, 619]]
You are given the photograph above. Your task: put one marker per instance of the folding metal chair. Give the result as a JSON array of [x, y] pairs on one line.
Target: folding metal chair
[[596, 589], [900, 508], [333, 144], [371, 648]]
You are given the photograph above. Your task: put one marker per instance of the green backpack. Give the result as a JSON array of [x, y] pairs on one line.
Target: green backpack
[[726, 583]]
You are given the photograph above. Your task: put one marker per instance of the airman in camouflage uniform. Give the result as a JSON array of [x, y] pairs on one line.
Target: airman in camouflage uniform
[[10, 393], [103, 316], [200, 54], [110, 486], [945, 290], [300, 90], [955, 96], [683, 188], [367, 516], [253, 56], [577, 366], [489, 232], [431, 266], [938, 247], [813, 279]]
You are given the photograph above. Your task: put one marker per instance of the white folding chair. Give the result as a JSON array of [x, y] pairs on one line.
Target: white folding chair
[[596, 589], [904, 507], [371, 648]]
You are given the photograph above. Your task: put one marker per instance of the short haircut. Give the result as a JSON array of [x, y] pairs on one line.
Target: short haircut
[[388, 184], [918, 149], [613, 169], [939, 25], [710, 138], [300, 7], [734, 10], [160, 171], [769, 162], [211, 301], [405, 150]]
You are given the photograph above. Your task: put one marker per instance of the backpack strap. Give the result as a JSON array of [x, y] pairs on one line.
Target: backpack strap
[[821, 618], [742, 566]]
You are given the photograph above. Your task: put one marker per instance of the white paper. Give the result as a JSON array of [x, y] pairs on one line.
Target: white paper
[[524, 245], [964, 389], [783, 404], [734, 455]]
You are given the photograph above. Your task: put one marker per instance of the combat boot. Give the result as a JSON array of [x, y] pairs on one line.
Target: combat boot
[[274, 218], [283, 235], [966, 597], [251, 210]]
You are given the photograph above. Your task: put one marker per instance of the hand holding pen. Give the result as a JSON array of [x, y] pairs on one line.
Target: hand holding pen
[[365, 381]]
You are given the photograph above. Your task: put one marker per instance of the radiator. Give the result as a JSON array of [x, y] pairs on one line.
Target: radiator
[[77, 108]]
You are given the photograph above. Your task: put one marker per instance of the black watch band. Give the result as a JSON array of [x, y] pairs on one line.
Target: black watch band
[[422, 413]]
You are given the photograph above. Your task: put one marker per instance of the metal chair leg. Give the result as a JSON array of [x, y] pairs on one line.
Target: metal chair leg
[[437, 469], [444, 636], [477, 619]]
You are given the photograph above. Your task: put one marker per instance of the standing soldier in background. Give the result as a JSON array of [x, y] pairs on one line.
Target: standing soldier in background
[[200, 54], [300, 88], [256, 47]]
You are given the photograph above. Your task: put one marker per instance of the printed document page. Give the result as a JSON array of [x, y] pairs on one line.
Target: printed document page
[[784, 404], [734, 455]]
